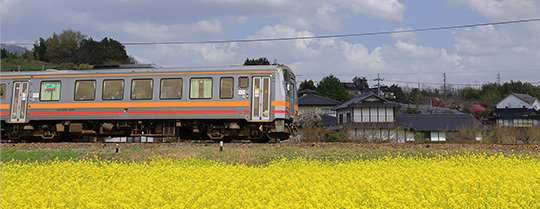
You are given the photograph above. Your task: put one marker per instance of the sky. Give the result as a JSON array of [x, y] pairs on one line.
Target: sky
[[467, 56]]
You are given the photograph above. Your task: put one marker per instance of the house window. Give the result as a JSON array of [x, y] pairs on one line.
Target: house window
[[201, 88], [141, 89], [171, 88], [349, 117], [50, 91], [340, 118], [327, 111], [373, 115], [85, 90]]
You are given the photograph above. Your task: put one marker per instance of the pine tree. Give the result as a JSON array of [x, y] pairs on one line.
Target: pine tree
[[331, 87]]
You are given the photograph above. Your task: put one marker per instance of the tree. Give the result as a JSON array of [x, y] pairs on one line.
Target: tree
[[475, 109], [61, 48], [331, 87], [398, 92], [414, 95], [307, 85], [260, 61], [107, 51], [71, 48], [361, 82], [39, 50]]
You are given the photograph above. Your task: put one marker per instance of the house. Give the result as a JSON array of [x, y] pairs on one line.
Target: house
[[515, 110], [368, 116], [515, 100], [513, 117], [312, 102], [367, 108], [352, 88], [373, 118], [438, 127], [306, 92]]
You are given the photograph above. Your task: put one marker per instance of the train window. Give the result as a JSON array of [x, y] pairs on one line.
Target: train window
[[171, 88], [226, 90], [113, 89], [201, 88], [243, 82], [2, 91], [141, 89], [50, 91], [85, 90]]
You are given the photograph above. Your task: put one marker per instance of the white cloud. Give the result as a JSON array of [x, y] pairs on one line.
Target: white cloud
[[409, 37], [502, 9], [239, 19], [381, 9], [152, 31], [482, 40], [358, 56]]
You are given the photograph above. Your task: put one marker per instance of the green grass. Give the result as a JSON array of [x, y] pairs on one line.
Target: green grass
[[258, 154], [38, 155], [30, 65]]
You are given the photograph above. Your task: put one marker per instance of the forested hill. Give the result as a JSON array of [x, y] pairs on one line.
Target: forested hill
[[67, 50]]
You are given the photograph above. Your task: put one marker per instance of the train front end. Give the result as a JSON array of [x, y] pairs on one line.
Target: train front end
[[285, 104]]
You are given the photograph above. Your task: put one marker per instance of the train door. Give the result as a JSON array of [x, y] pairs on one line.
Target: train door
[[260, 109], [19, 101]]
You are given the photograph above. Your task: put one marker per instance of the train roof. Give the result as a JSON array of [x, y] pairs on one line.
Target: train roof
[[146, 70]]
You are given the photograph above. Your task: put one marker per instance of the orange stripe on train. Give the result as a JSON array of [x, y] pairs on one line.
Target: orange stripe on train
[[148, 74], [140, 104], [280, 103]]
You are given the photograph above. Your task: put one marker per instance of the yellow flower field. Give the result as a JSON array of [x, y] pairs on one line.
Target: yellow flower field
[[456, 181]]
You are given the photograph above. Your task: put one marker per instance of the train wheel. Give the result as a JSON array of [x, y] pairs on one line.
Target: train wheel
[[263, 139], [225, 139]]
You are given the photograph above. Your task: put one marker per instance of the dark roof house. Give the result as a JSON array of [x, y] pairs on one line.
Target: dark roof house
[[352, 88], [306, 92], [438, 122], [365, 100], [316, 100], [515, 100]]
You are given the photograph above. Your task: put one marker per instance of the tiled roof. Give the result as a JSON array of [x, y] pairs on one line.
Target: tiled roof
[[351, 87], [438, 122], [526, 98], [316, 100], [358, 101], [328, 120], [509, 113], [307, 91], [428, 109]]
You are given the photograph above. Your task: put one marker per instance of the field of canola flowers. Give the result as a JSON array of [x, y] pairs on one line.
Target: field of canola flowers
[[462, 180]]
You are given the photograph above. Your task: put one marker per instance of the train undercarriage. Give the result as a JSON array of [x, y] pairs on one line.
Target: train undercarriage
[[216, 130]]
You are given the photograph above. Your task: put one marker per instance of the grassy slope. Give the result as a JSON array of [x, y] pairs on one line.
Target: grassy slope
[[13, 64]]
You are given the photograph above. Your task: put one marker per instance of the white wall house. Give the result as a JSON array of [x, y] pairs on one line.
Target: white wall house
[[515, 100], [372, 118], [516, 110]]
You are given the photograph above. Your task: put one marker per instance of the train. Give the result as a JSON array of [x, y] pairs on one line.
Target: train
[[256, 103]]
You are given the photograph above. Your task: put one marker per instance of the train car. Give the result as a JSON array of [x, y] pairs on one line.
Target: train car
[[254, 103]]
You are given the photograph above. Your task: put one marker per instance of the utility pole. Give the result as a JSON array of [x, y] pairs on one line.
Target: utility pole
[[499, 78], [378, 79], [444, 87]]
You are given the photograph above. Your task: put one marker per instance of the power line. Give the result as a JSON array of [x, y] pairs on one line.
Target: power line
[[318, 37], [333, 36]]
